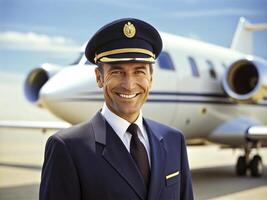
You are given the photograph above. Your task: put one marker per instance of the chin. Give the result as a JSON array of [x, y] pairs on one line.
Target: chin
[[128, 111]]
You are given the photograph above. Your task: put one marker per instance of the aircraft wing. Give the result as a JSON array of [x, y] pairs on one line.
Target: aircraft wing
[[38, 125], [238, 131]]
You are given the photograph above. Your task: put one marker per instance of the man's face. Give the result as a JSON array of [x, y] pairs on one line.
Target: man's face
[[126, 87]]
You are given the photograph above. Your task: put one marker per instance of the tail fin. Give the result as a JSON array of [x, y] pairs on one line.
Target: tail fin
[[242, 40]]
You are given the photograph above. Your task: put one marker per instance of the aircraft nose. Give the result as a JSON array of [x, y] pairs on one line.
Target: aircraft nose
[[69, 83]]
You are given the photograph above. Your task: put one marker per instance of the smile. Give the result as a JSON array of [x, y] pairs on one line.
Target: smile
[[127, 96]]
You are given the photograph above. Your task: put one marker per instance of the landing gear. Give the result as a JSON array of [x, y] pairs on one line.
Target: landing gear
[[241, 166], [256, 166], [245, 164]]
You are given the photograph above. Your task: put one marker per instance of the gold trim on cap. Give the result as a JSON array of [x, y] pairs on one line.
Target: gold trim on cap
[[124, 50], [106, 59], [129, 30]]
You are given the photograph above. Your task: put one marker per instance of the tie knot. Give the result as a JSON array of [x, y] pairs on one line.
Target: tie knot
[[133, 129]]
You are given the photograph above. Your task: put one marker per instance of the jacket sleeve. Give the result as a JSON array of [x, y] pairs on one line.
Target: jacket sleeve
[[186, 180], [59, 178]]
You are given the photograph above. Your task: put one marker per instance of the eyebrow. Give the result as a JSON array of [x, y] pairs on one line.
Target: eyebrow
[[115, 67], [141, 67], [118, 67]]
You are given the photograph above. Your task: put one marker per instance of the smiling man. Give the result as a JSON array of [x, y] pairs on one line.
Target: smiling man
[[118, 154]]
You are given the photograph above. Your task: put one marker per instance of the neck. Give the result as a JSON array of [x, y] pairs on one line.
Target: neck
[[131, 117]]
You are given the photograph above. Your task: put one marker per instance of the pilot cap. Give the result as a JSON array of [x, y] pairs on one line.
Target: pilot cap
[[124, 40]]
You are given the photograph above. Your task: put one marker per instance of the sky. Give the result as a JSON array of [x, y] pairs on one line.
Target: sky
[[33, 32]]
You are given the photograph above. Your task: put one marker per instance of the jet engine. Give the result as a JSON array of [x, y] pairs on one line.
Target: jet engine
[[36, 79], [246, 81]]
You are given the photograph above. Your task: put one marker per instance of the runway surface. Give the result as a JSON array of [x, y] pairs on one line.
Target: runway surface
[[21, 157]]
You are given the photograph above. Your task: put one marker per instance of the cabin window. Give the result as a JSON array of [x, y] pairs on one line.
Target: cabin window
[[165, 61], [193, 65], [211, 69]]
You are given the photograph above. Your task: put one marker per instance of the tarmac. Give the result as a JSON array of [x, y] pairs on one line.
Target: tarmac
[[213, 169]]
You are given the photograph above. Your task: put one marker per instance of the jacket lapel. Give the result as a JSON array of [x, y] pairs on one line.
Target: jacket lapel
[[117, 155], [158, 155]]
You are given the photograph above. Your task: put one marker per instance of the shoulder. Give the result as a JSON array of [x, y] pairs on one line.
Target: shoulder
[[83, 134], [163, 131], [74, 131], [73, 135]]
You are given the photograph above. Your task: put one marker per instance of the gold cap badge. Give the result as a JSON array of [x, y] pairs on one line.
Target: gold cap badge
[[129, 30]]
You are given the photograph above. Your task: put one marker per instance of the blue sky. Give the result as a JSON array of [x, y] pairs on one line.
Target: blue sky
[[33, 32]]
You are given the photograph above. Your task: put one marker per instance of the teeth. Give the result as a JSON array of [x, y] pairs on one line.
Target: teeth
[[127, 96]]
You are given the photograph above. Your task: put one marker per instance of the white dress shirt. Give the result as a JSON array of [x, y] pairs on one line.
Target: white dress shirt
[[121, 125]]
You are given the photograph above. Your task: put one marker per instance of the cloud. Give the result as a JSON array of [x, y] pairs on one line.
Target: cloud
[[30, 41], [217, 12]]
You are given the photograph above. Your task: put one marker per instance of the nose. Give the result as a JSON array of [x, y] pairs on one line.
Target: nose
[[128, 82]]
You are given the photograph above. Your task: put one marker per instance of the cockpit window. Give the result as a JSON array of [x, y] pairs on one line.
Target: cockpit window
[[193, 65], [76, 62], [224, 65], [211, 69], [165, 61], [88, 62]]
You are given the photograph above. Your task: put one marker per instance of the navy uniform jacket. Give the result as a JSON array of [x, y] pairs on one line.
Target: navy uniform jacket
[[89, 162]]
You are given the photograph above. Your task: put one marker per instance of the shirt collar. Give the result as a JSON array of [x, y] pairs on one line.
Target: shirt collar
[[119, 124]]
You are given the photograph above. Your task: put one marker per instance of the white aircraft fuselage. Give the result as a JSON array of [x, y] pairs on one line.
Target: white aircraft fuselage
[[194, 104]]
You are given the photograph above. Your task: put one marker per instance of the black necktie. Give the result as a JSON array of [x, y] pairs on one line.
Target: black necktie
[[139, 154]]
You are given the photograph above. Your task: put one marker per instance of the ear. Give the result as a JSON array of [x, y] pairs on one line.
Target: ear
[[99, 78]]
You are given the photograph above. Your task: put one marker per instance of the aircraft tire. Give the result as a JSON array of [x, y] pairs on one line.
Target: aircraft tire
[[241, 166], [256, 166]]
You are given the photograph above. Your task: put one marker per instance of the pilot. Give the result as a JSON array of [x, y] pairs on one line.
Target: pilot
[[119, 154]]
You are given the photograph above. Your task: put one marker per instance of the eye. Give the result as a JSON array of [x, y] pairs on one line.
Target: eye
[[116, 72], [139, 71]]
